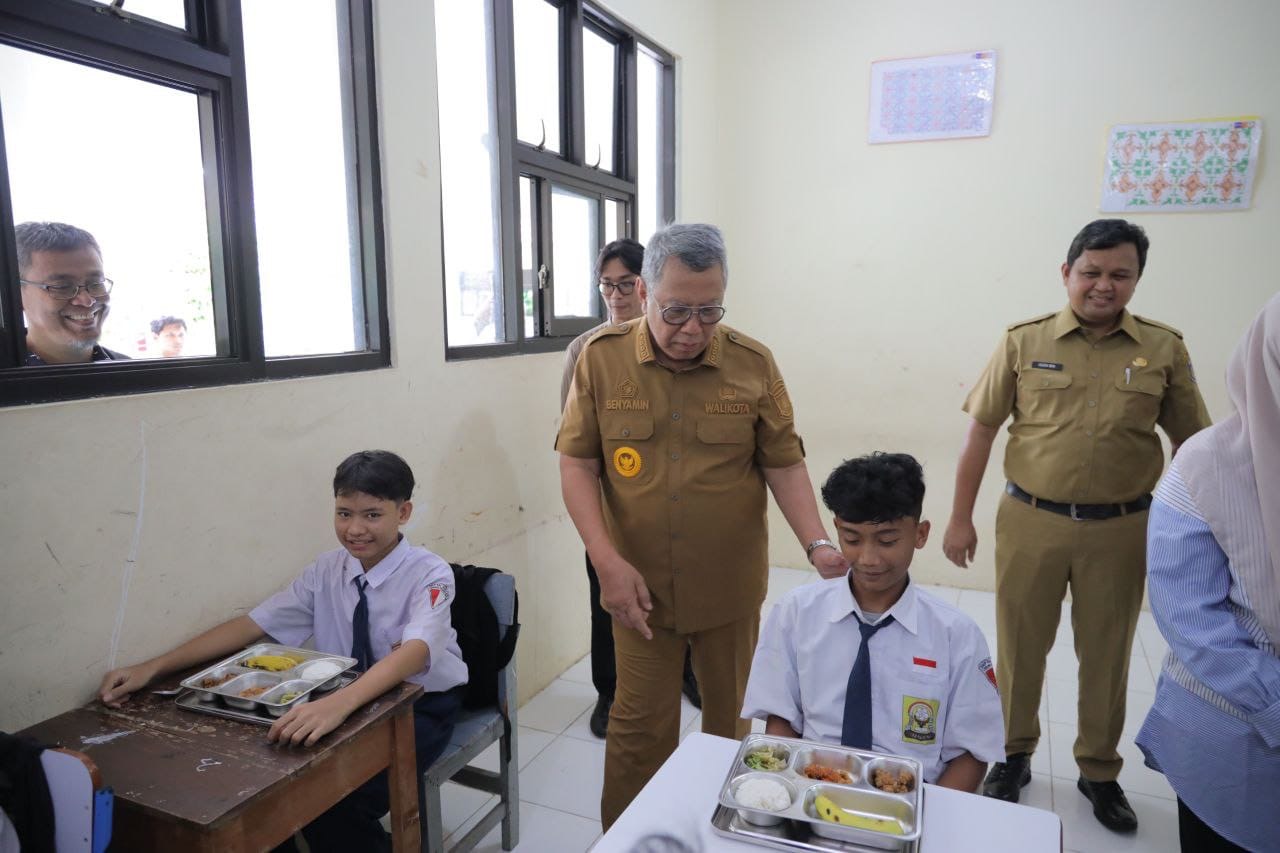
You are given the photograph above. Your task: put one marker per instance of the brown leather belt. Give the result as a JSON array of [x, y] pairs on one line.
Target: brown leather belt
[[1079, 512]]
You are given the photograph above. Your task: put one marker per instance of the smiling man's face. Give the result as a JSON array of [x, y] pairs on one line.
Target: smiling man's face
[[1100, 283], [64, 331]]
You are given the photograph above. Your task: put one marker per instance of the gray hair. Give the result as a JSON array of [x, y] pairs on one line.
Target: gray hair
[[50, 237], [698, 246]]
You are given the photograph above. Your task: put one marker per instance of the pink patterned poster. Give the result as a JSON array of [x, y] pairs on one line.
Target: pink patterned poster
[[1185, 166], [932, 97]]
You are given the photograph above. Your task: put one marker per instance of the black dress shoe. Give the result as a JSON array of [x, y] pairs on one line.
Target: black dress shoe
[[1109, 805], [599, 722], [1008, 777], [689, 688]]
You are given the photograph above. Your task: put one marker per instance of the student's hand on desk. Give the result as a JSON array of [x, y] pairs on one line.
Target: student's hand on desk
[[624, 595], [119, 683], [960, 542], [307, 723]]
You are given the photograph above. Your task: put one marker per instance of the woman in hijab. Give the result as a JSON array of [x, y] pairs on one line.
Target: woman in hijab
[[1213, 564]]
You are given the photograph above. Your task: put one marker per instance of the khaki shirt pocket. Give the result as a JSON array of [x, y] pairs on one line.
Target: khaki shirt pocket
[[628, 446], [1141, 396], [1043, 396], [726, 447]]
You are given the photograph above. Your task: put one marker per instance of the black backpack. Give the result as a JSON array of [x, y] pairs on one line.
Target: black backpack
[[477, 627]]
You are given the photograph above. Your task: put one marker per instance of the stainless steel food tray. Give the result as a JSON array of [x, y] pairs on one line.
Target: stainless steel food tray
[[787, 835], [303, 680], [855, 795], [188, 700]]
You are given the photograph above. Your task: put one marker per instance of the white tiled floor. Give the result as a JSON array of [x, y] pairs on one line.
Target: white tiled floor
[[561, 762]]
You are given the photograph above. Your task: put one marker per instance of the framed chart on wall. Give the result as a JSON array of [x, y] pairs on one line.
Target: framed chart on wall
[[932, 97]]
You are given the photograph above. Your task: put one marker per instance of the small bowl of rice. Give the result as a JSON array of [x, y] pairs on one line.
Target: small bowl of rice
[[761, 797]]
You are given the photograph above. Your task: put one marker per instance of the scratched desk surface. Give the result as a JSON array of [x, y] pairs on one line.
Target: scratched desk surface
[[193, 767]]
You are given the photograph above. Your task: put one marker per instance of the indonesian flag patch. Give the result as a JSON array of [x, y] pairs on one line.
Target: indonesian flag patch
[[989, 671], [440, 593], [924, 665]]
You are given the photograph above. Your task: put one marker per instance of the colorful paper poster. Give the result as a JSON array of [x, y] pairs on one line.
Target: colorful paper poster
[[1184, 166], [932, 97]]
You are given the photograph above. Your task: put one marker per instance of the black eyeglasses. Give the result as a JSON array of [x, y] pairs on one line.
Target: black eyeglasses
[[678, 315], [623, 287], [66, 290]]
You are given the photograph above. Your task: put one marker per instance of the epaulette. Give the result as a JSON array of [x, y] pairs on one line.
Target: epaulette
[[747, 341], [1158, 325], [610, 331], [1037, 319]]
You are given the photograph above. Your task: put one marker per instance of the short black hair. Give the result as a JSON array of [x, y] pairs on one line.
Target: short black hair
[[1107, 234], [50, 237], [157, 325], [380, 473], [626, 250], [875, 488]]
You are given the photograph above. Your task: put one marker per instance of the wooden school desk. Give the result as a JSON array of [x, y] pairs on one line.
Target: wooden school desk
[[190, 781]]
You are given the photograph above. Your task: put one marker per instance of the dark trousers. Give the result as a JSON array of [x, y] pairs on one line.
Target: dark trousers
[[1197, 837], [604, 669], [355, 822]]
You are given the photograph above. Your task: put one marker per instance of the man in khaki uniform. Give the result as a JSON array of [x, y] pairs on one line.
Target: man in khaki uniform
[[673, 428], [1086, 387]]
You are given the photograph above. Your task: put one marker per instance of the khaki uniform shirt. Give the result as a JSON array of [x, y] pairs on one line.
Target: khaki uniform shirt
[[682, 458], [1085, 411], [571, 359]]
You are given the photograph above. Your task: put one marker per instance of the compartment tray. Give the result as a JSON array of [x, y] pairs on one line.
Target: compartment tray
[[189, 701], [791, 835]]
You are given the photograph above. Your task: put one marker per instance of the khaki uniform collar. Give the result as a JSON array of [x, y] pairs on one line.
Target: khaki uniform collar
[[711, 356], [1067, 322]]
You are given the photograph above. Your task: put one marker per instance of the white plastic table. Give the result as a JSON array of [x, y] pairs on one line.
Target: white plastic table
[[680, 799]]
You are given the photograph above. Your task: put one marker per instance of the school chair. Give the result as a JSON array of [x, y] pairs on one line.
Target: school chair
[[82, 806], [475, 731]]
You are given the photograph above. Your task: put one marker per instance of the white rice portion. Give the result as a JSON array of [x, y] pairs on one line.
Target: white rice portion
[[764, 794]]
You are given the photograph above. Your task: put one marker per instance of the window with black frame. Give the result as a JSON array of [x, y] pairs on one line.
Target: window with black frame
[[556, 136], [180, 206]]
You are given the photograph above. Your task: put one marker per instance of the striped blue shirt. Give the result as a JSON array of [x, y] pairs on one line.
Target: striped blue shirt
[[1214, 730]]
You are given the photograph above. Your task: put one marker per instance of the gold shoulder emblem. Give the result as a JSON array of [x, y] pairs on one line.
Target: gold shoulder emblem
[[778, 391]]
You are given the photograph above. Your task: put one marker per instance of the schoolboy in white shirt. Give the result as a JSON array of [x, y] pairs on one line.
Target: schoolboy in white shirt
[[377, 599], [921, 684]]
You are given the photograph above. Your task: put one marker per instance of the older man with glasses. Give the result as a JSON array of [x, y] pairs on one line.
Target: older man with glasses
[[65, 296], [672, 429]]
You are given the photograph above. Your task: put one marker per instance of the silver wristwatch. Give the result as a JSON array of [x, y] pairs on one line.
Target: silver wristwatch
[[815, 545]]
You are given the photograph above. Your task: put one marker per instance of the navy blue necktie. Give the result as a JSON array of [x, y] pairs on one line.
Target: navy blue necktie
[[856, 731], [361, 649]]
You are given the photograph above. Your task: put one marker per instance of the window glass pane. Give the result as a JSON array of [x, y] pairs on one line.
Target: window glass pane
[[649, 201], [599, 60], [303, 174], [469, 174], [574, 226], [528, 255], [612, 212], [537, 38], [171, 12], [121, 159]]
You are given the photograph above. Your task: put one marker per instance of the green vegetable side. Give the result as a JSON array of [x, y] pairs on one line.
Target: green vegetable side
[[765, 760]]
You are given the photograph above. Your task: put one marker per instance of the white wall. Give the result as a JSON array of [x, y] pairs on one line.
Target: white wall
[[882, 276]]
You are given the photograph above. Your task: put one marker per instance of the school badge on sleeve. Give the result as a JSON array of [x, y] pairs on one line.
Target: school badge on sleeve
[[989, 671], [440, 593], [627, 461], [919, 720]]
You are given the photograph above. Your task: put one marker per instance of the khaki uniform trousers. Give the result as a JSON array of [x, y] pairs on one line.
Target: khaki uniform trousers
[[1039, 554], [644, 725]]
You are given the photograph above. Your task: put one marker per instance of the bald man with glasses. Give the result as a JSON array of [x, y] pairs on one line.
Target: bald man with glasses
[[65, 295], [673, 427]]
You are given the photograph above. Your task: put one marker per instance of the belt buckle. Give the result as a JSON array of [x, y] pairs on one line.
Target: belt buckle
[[1075, 515]]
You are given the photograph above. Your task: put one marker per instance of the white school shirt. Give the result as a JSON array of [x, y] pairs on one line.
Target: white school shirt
[[409, 594], [933, 687]]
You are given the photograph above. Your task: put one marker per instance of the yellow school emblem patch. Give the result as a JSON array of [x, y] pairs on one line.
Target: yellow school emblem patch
[[919, 720], [627, 461]]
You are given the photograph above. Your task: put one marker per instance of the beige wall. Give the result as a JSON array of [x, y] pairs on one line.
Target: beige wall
[[881, 276]]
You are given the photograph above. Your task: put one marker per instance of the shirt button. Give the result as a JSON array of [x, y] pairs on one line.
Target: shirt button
[[675, 497], [626, 432], [675, 456], [1044, 383], [1093, 403], [1093, 375], [1089, 433], [675, 416]]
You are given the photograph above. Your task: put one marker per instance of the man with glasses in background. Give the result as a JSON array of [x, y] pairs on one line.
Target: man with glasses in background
[[672, 429], [65, 296], [617, 275]]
